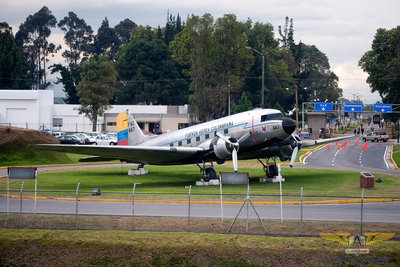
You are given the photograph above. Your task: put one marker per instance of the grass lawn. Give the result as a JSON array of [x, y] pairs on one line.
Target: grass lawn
[[119, 248], [174, 179], [396, 155]]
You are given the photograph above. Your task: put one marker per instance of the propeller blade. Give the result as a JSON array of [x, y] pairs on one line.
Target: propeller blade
[[244, 137], [223, 137], [235, 160], [294, 154]]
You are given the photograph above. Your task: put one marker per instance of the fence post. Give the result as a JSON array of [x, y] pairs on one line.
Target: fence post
[[76, 208], [133, 207], [247, 212], [20, 206], [190, 189], [301, 211], [362, 207]]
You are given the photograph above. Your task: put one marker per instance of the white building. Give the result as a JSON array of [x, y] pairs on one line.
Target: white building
[[35, 109]]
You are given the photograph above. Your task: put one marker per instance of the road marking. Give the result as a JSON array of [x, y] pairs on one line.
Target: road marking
[[384, 158]]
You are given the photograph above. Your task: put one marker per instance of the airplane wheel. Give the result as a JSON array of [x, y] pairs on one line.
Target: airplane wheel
[[272, 171], [208, 174]]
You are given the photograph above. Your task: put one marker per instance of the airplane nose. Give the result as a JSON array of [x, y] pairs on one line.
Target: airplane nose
[[288, 125]]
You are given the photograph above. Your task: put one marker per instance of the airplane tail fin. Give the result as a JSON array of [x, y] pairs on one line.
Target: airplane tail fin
[[129, 132], [122, 129]]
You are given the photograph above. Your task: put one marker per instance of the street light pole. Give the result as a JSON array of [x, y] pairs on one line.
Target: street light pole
[[263, 67]]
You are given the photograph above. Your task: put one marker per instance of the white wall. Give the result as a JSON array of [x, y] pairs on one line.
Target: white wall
[[35, 108]]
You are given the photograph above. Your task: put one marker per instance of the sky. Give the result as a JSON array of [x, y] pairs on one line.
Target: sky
[[342, 29]]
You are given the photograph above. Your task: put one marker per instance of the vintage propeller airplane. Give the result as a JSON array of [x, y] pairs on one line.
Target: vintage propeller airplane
[[255, 134]]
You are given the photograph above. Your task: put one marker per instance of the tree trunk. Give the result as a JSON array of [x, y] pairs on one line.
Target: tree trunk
[[94, 129]]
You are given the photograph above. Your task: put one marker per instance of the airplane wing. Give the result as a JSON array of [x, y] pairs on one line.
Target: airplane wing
[[137, 154], [323, 141]]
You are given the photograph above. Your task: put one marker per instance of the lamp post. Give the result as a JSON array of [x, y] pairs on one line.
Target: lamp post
[[262, 73]]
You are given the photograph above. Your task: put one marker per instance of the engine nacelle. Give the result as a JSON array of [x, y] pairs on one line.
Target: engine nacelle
[[221, 148]]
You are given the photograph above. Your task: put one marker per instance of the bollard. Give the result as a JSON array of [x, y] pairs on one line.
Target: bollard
[[301, 211]]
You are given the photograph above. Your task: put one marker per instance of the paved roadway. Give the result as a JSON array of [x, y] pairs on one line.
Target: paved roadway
[[374, 158], [373, 212]]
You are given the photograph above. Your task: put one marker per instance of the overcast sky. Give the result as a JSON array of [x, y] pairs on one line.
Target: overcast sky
[[342, 29]]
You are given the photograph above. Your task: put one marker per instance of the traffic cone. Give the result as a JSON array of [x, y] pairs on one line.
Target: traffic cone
[[336, 142], [379, 144], [338, 147], [399, 149], [331, 135], [329, 147], [356, 143]]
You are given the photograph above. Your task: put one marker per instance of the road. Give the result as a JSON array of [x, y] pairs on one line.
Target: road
[[374, 158], [373, 212]]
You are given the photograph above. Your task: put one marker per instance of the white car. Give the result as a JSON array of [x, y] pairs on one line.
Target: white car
[[92, 137], [105, 141]]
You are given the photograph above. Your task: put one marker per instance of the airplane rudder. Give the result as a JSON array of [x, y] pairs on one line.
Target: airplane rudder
[[122, 129]]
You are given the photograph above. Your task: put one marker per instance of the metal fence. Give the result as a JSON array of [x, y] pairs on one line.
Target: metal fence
[[299, 214]]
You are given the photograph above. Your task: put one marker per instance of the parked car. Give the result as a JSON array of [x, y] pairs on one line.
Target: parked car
[[68, 139], [92, 137], [103, 140], [376, 136], [83, 138], [58, 134]]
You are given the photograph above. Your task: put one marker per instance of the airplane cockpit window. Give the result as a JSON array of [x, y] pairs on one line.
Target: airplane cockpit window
[[271, 116]]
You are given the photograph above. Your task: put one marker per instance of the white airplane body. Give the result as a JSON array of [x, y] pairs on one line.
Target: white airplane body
[[259, 133]]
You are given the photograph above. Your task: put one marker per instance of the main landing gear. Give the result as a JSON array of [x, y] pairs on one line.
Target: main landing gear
[[207, 173], [270, 169]]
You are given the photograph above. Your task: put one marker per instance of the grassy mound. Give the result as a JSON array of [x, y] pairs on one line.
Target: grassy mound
[[15, 149]]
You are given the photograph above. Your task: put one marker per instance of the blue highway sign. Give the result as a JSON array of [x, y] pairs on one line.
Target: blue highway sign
[[352, 107], [318, 106], [383, 108]]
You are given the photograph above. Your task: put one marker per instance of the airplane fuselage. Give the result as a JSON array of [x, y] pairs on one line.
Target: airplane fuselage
[[263, 126]]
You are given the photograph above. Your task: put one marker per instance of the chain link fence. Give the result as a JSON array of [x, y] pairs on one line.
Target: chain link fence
[[301, 214]]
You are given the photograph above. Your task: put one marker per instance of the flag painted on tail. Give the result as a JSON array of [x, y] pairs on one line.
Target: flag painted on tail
[[122, 129]]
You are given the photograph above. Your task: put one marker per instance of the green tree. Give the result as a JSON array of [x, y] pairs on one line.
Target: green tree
[[382, 63], [148, 73], [106, 40], [123, 31], [315, 75], [214, 57], [96, 88], [243, 104], [14, 69], [78, 38], [32, 39]]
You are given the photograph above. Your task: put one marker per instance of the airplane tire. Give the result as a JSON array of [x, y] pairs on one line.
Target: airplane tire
[[272, 171], [209, 173]]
